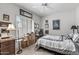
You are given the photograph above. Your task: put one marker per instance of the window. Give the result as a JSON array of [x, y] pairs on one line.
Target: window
[[24, 25]]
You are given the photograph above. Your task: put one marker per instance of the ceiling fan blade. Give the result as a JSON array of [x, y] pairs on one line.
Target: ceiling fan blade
[[44, 5]]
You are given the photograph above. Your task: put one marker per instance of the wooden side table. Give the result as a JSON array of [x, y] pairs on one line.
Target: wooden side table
[[7, 46]]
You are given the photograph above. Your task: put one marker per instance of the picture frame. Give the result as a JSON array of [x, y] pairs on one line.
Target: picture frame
[[3, 25], [46, 31], [46, 21], [25, 13], [5, 17], [56, 24]]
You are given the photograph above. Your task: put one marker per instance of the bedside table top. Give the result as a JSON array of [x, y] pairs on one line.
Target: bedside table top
[[7, 39]]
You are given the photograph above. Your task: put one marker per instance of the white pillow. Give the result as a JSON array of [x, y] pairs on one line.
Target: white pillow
[[52, 37], [75, 36], [55, 37]]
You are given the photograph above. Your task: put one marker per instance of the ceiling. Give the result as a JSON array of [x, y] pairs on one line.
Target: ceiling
[[49, 9]]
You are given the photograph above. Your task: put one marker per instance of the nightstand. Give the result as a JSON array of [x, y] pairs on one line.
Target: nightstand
[[7, 46]]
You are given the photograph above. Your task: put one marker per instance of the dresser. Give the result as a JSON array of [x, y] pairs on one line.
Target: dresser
[[7, 46]]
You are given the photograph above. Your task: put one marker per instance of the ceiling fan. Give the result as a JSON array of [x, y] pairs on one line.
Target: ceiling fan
[[46, 5]]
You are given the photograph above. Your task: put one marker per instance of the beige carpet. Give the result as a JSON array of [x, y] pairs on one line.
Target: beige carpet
[[32, 51]]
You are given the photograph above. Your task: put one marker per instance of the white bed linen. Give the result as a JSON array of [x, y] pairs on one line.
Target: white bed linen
[[65, 44], [52, 37]]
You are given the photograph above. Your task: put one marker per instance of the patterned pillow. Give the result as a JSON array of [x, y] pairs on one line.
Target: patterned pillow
[[75, 37], [77, 40]]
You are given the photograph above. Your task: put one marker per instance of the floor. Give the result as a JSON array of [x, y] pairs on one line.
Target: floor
[[31, 50]]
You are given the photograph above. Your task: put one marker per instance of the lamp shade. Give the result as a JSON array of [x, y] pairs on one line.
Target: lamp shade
[[11, 27], [73, 27]]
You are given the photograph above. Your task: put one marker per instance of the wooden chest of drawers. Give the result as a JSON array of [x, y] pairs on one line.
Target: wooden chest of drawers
[[7, 47]]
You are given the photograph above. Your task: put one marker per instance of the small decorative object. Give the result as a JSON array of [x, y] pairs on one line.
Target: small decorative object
[[4, 31], [25, 13], [56, 24], [73, 27], [5, 17]]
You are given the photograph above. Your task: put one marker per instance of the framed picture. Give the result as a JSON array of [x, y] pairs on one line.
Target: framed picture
[[25, 13], [3, 25], [46, 31], [56, 24], [46, 21], [5, 17]]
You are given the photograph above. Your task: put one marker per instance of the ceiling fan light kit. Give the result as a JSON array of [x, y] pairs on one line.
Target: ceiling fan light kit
[[44, 4]]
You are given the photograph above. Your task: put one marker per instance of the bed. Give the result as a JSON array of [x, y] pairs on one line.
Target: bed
[[58, 44]]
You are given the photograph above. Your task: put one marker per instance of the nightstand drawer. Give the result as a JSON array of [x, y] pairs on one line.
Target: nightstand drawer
[[4, 44], [7, 47]]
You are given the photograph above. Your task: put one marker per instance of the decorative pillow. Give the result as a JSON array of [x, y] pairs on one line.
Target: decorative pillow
[[75, 36], [77, 40]]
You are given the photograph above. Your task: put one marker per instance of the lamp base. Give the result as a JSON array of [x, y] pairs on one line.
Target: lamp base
[[19, 52]]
